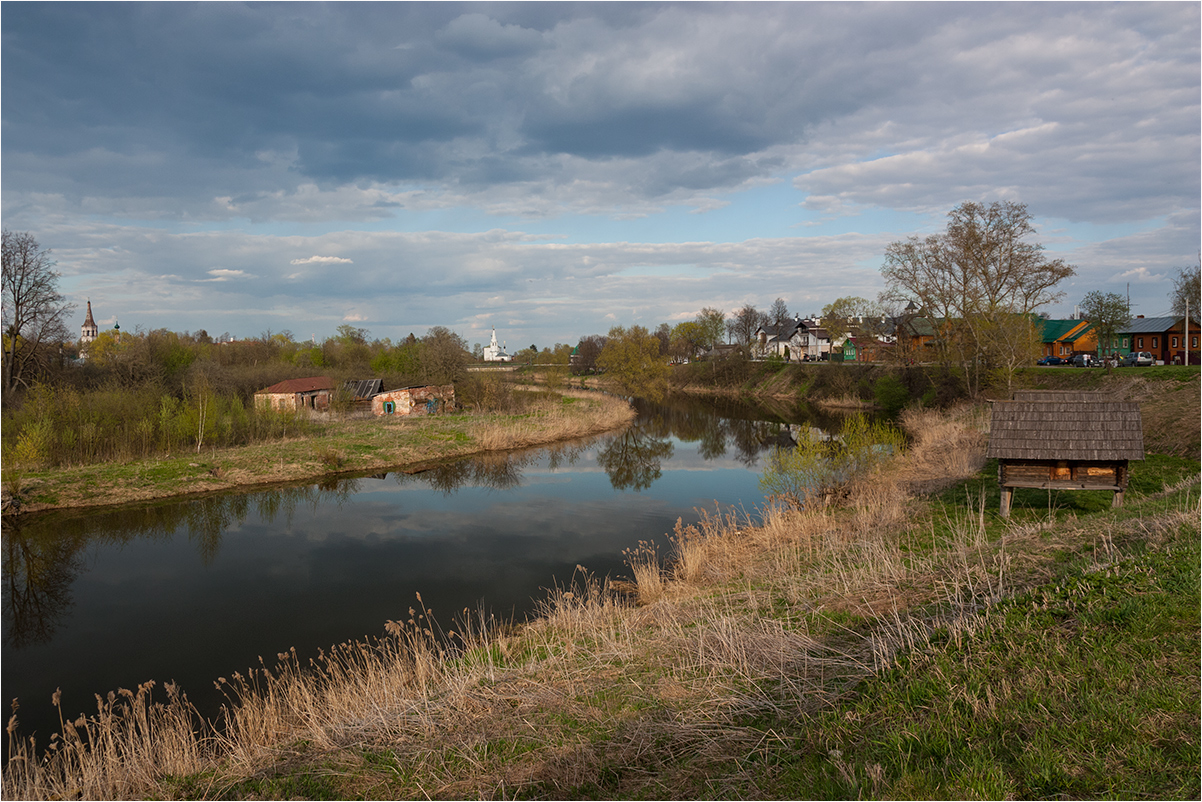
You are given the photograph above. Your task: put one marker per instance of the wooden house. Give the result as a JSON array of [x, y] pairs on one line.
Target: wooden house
[[1064, 338], [296, 394], [1064, 440], [414, 400], [1164, 337]]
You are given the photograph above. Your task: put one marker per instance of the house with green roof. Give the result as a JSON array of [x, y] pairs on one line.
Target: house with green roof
[[1063, 338]]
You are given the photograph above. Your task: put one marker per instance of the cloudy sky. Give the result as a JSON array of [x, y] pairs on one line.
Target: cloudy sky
[[557, 169]]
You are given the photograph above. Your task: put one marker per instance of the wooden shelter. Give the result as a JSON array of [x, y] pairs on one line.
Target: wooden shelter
[[1064, 440]]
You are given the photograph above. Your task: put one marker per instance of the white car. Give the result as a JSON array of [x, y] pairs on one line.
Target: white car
[[1141, 359]]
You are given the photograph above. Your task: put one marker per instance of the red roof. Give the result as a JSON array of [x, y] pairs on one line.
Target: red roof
[[299, 386]]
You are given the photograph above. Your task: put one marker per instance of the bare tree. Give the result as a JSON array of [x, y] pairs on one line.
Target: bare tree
[[972, 276], [742, 326], [664, 334], [778, 314], [34, 311], [587, 351], [1187, 287]]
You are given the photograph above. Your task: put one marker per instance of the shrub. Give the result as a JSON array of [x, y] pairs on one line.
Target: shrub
[[819, 466], [890, 394]]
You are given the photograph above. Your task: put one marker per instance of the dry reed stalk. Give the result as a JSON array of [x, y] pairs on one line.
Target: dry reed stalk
[[847, 401]]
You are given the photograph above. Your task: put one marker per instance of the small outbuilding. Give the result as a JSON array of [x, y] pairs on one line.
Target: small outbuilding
[[291, 395], [1064, 440], [423, 400]]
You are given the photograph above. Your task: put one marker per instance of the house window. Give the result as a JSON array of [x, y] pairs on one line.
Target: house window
[[1194, 342], [1124, 342], [1174, 342], [389, 407], [1139, 342], [1155, 342]]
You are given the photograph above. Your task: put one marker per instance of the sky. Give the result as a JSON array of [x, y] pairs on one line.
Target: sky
[[554, 170]]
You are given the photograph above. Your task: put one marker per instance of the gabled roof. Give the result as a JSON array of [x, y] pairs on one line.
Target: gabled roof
[[918, 326], [300, 385], [1065, 425], [1067, 330], [1148, 325]]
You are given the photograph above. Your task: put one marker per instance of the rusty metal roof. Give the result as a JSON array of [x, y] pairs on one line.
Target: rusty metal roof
[[1066, 425], [299, 385]]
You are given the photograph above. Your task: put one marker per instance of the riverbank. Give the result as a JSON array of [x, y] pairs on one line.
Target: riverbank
[[340, 447], [1167, 395], [905, 644]]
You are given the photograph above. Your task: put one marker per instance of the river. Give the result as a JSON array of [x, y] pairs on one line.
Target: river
[[188, 591]]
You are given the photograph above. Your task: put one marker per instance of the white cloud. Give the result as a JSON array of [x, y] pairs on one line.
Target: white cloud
[[222, 274], [332, 260]]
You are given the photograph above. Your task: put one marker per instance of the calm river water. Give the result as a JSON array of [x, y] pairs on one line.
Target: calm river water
[[193, 590]]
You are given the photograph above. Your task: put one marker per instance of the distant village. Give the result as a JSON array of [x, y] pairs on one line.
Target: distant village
[[907, 338]]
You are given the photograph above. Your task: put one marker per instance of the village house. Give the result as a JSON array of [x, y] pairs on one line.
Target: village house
[[424, 400], [1164, 337], [782, 341], [1063, 338], [292, 395]]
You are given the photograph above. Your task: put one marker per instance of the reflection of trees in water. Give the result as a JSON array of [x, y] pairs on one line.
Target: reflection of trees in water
[[632, 458], [497, 471], [38, 572], [718, 425]]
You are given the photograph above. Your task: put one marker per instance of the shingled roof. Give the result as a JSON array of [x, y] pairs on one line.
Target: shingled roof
[[1066, 425]]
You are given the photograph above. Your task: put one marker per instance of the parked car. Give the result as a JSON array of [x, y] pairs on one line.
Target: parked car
[[1051, 360], [1141, 359], [1084, 361]]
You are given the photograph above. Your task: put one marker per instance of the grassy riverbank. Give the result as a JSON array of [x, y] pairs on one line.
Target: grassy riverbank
[[905, 644], [333, 447]]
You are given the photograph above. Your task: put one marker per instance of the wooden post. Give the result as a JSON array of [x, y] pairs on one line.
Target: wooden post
[[1117, 501], [1007, 495]]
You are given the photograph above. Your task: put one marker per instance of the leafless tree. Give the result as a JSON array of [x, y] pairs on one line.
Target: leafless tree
[[742, 326], [778, 314], [980, 270], [34, 310], [587, 351], [1186, 290]]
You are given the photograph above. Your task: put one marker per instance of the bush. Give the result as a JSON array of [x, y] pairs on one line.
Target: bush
[[818, 467], [890, 394]]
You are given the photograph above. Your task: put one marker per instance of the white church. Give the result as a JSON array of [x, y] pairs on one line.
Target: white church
[[494, 352]]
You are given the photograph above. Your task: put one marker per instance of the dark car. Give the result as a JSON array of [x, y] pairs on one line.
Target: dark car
[[1084, 361], [1051, 360]]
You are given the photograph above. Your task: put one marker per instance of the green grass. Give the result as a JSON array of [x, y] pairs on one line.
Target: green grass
[[1087, 687]]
